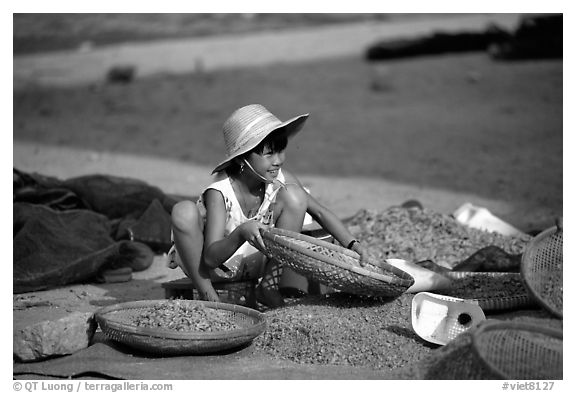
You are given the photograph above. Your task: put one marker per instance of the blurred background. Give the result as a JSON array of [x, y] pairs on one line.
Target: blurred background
[[444, 108]]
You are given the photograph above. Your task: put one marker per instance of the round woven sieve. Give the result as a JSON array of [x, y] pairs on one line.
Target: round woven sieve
[[512, 350], [335, 266], [541, 270], [117, 322]]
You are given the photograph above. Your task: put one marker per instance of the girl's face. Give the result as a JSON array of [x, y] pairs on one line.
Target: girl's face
[[267, 163]]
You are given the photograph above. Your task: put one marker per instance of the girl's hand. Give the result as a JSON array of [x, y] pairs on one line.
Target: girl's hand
[[365, 256], [250, 232]]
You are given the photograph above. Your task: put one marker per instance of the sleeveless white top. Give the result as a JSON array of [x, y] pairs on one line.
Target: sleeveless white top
[[247, 262]]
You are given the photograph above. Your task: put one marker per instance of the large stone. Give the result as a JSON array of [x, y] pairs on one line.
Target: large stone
[[49, 338]]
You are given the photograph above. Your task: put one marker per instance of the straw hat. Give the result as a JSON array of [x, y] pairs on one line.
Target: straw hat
[[248, 126]]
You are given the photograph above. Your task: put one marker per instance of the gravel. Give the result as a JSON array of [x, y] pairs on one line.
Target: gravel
[[182, 317], [343, 329], [416, 234], [347, 330], [486, 286]]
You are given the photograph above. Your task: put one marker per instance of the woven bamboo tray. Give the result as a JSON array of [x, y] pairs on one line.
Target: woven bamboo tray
[[335, 266], [117, 323], [500, 350], [513, 350], [507, 297], [541, 269]]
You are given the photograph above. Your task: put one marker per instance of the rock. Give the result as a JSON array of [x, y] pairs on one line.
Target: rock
[[412, 204], [121, 74], [58, 337]]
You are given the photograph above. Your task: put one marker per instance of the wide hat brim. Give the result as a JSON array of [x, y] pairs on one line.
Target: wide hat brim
[[290, 127]]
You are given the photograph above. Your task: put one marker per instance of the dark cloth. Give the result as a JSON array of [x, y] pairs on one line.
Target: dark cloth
[[53, 248], [490, 259], [115, 197], [109, 360], [151, 228], [66, 231], [487, 259], [44, 190]]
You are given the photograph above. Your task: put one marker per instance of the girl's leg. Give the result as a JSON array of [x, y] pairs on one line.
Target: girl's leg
[[267, 291], [293, 202], [189, 241]]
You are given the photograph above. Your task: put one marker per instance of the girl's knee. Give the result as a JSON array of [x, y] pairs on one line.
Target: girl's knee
[[295, 198], [185, 215]]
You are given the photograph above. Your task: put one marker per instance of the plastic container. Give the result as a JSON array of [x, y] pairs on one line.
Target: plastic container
[[439, 319], [481, 218]]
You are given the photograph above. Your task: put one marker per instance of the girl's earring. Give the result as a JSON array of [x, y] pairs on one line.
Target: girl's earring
[[242, 168]]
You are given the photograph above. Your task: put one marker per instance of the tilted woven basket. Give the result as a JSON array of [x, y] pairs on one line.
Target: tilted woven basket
[[335, 266], [499, 350], [514, 350], [541, 269], [117, 322], [508, 291]]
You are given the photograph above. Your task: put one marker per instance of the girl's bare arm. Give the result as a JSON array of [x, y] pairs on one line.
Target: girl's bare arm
[[217, 247], [330, 222]]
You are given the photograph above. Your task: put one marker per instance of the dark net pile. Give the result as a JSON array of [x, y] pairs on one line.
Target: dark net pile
[[183, 317], [420, 234], [342, 329]]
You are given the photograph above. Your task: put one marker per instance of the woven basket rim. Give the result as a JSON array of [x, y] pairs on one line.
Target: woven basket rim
[[275, 234], [525, 263], [493, 302], [516, 325], [504, 302], [463, 274], [512, 325], [102, 318]]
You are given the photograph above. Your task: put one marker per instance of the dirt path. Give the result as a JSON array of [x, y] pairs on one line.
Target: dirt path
[[44, 131], [179, 178], [67, 68]]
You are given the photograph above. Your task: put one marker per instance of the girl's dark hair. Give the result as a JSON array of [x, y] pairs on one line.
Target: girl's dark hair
[[275, 141]]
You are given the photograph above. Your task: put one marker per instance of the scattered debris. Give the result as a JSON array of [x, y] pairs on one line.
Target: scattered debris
[[121, 74]]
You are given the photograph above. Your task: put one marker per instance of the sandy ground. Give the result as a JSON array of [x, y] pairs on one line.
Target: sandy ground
[[177, 56], [175, 177], [444, 130], [50, 153]]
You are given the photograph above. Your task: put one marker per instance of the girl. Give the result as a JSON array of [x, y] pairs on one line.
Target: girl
[[218, 238]]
